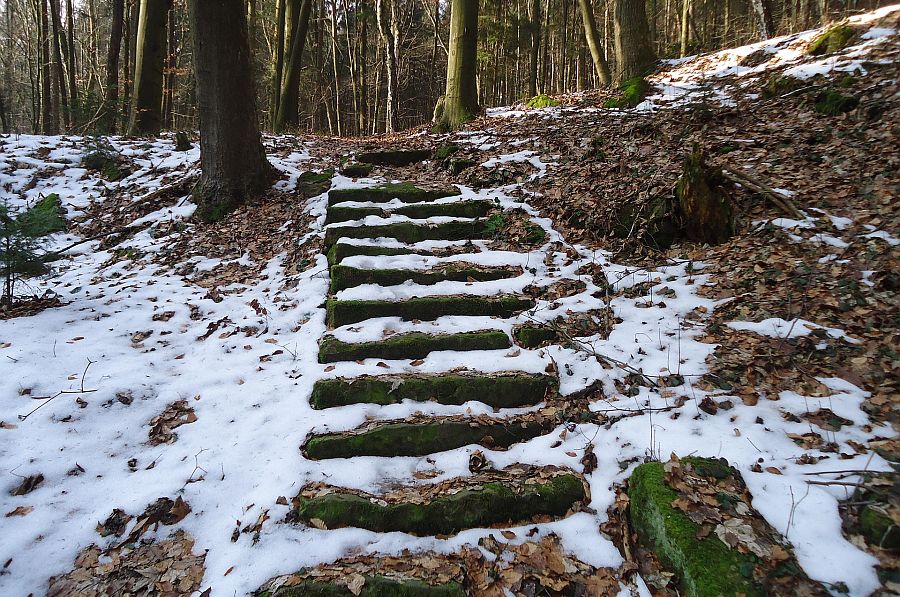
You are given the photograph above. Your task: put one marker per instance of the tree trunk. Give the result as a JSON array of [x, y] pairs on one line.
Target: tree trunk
[[70, 54], [288, 109], [169, 75], [336, 68], [634, 54], [149, 59], [460, 101], [128, 60], [593, 40], [108, 120], [232, 159], [60, 87], [764, 22], [685, 27], [4, 121], [535, 47], [278, 60], [49, 121], [390, 53]]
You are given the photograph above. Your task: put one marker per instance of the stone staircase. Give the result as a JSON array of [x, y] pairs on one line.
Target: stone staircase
[[403, 245]]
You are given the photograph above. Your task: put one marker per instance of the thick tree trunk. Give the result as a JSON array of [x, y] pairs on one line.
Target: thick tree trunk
[[60, 88], [49, 120], [170, 76], [287, 110], [764, 22], [110, 104], [128, 60], [593, 40], [232, 159], [685, 27], [535, 47], [460, 101], [149, 59], [634, 54]]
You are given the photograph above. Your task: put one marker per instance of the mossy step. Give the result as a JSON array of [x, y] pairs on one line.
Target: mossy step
[[405, 192], [374, 586], [426, 308], [340, 251], [415, 345], [456, 209], [394, 157], [484, 505], [410, 232], [419, 438], [528, 336], [499, 390], [344, 276]]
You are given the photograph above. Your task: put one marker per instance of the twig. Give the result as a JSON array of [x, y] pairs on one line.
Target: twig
[[49, 399], [780, 200]]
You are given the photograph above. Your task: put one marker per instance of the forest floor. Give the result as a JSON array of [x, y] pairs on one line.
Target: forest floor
[[154, 392]]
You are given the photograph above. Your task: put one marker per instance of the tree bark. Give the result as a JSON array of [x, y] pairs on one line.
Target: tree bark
[[232, 158], [764, 22], [110, 103], [593, 40], [634, 54], [535, 47], [387, 29], [460, 101], [685, 27], [149, 59], [60, 87], [278, 60], [336, 68], [287, 110], [49, 120], [70, 54]]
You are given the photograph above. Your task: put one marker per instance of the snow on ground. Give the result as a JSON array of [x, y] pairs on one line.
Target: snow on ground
[[137, 337]]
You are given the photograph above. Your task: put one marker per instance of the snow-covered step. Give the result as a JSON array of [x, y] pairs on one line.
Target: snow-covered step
[[413, 231], [457, 209], [405, 192], [343, 276], [413, 345]]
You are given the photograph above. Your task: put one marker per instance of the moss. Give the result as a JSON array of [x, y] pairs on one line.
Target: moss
[[426, 308], [405, 192], [456, 209], [445, 151], [656, 226], [632, 92], [394, 157], [533, 336], [508, 390], [339, 251], [343, 276], [182, 141], [878, 528], [50, 210], [407, 232], [312, 183], [833, 103], [705, 566], [375, 586], [542, 101], [458, 165], [106, 162], [356, 170], [778, 85], [833, 40], [419, 438], [414, 345], [484, 506]]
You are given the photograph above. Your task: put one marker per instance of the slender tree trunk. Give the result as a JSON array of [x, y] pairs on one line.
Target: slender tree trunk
[[232, 158], [110, 104], [762, 9], [390, 53], [287, 111], [73, 83], [169, 74], [60, 90], [460, 101], [4, 120], [150, 57], [336, 68], [593, 40], [278, 59], [634, 54], [49, 120], [685, 27], [535, 47]]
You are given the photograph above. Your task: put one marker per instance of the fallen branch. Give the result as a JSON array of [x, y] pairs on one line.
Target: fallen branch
[[780, 200]]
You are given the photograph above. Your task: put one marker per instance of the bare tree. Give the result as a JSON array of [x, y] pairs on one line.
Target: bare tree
[[460, 101], [149, 60], [593, 40]]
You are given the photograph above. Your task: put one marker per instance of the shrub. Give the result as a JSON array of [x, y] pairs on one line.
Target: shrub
[[21, 239], [542, 101]]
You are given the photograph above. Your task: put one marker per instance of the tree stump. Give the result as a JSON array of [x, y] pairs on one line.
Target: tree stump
[[705, 206]]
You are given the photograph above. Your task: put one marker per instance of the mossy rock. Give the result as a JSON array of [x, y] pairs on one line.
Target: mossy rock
[[456, 209], [656, 227], [778, 85], [445, 151], [312, 183], [457, 165], [506, 390], [426, 308], [407, 232], [343, 276], [420, 438], [632, 92], [374, 586], [705, 567], [403, 191], [833, 103], [833, 40], [878, 528], [356, 170], [533, 336], [415, 345], [483, 506], [542, 101], [105, 161], [394, 157], [183, 141]]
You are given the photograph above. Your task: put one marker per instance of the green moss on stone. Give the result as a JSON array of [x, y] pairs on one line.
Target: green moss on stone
[[706, 567], [414, 345], [445, 151], [408, 232], [354, 170], [533, 336], [312, 183], [484, 506], [833, 103], [405, 192], [500, 391], [457, 209], [339, 251], [419, 438], [542, 101], [833, 40], [459, 164], [343, 276], [633, 91], [426, 308], [394, 157], [878, 528], [375, 586]]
